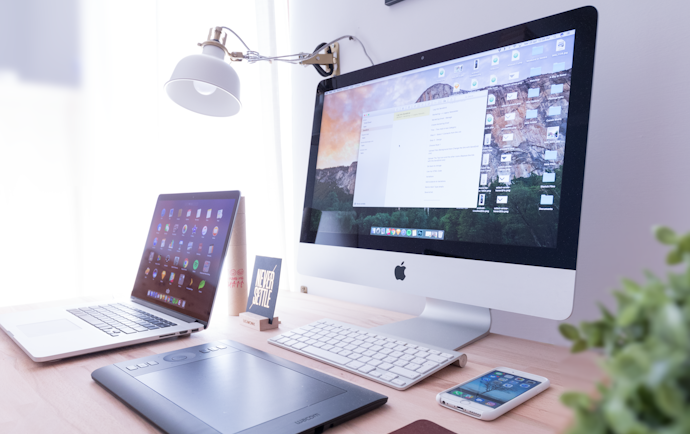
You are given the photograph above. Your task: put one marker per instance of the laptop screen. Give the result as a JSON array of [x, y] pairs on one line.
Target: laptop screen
[[183, 258]]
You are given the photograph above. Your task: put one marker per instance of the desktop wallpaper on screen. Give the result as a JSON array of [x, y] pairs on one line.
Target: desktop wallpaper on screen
[[522, 146]]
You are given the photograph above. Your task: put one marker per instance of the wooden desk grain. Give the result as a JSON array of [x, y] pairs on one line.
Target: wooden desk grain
[[61, 397]]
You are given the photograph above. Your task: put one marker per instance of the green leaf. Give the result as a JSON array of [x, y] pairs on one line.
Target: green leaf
[[606, 313], [579, 346], [628, 315], [665, 235], [674, 257], [631, 286], [576, 400], [684, 243], [569, 331]]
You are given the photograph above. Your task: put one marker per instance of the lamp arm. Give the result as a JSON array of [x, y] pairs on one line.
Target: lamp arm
[[254, 56]]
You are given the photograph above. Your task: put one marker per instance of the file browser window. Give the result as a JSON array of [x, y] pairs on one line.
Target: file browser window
[[422, 155]]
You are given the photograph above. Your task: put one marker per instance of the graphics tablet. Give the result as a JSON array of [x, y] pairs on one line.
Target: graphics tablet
[[228, 387]]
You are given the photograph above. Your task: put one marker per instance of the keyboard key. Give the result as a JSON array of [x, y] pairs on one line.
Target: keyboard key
[[396, 354], [434, 352], [399, 382], [412, 366], [385, 366], [400, 362], [375, 373], [366, 369], [388, 376], [327, 347], [379, 356], [438, 359], [335, 358], [390, 359], [291, 342], [359, 350], [354, 364], [221, 347], [419, 361], [299, 346], [447, 356], [368, 353], [354, 356], [376, 348], [425, 368], [365, 359], [374, 362], [404, 372], [386, 351], [344, 353], [318, 344]]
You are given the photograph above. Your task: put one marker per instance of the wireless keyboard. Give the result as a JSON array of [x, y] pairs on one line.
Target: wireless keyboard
[[386, 359]]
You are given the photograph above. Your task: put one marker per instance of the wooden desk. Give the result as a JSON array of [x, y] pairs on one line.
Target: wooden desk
[[61, 397]]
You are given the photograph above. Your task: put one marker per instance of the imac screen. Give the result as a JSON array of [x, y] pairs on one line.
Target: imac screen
[[467, 150]]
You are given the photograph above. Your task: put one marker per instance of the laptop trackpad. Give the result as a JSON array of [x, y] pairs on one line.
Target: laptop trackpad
[[237, 391], [38, 329]]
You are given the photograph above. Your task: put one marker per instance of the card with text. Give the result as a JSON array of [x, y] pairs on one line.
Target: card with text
[[264, 290]]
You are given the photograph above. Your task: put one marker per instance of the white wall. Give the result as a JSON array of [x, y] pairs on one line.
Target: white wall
[[637, 149]]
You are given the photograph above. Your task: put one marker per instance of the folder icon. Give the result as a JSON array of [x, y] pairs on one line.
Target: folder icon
[[531, 114], [546, 199], [511, 96], [558, 67], [502, 199], [550, 155], [510, 116], [535, 71], [534, 93], [555, 110], [556, 88], [483, 179], [548, 177], [506, 158], [514, 75], [507, 137], [537, 50], [504, 179]]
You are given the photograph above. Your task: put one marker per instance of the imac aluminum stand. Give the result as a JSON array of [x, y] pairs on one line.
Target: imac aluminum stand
[[444, 324]]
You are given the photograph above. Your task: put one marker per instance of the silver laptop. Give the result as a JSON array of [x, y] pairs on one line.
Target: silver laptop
[[174, 288]]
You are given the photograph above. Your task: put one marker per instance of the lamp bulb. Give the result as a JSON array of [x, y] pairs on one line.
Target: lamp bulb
[[204, 88]]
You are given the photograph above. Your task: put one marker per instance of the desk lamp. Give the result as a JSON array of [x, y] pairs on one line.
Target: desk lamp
[[206, 84]]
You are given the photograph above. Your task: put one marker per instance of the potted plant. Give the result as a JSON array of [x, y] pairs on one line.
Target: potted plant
[[646, 344]]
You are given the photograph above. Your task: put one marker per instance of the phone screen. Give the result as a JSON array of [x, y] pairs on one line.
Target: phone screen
[[494, 389]]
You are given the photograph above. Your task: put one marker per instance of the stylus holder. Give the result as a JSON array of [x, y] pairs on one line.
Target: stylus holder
[[237, 264], [258, 322]]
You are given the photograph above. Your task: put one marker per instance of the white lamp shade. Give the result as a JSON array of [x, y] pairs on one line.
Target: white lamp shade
[[205, 68]]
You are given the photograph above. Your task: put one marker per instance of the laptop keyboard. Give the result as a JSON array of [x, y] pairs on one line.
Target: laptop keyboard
[[118, 319]]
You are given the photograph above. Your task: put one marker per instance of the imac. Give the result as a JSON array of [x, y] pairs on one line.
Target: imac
[[456, 174]]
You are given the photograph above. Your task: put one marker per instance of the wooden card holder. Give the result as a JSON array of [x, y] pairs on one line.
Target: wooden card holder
[[258, 322]]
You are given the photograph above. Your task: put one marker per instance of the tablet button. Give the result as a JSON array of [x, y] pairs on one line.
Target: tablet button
[[142, 365], [132, 368], [178, 357]]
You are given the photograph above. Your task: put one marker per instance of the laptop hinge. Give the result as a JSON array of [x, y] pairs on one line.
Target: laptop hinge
[[167, 311]]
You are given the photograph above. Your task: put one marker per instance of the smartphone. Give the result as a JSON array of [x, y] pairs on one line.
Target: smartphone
[[493, 393]]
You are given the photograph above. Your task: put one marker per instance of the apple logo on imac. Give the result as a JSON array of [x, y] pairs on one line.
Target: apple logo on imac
[[400, 271]]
